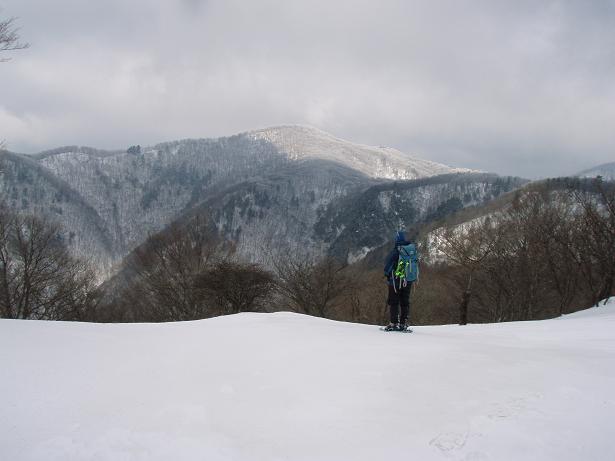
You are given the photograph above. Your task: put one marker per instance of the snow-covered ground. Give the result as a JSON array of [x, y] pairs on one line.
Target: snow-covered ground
[[290, 387]]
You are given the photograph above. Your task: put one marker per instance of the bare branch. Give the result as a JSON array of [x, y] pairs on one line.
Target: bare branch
[[9, 37]]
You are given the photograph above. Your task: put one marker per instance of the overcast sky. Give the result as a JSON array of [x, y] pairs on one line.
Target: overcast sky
[[517, 87]]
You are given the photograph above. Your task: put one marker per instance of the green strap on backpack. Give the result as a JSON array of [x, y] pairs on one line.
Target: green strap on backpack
[[407, 269]]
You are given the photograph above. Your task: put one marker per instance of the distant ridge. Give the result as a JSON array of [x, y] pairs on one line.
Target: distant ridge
[[300, 142], [606, 170]]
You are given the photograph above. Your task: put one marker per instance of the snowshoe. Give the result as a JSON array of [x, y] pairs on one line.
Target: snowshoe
[[396, 327]]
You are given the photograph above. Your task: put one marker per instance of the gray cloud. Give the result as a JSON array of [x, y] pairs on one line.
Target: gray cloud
[[519, 87]]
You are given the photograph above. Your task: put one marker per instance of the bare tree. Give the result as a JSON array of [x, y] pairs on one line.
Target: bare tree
[[234, 287], [517, 259], [556, 229], [520, 266], [9, 41], [164, 272], [38, 277], [596, 238], [549, 250], [9, 37], [364, 296], [468, 248], [312, 287]]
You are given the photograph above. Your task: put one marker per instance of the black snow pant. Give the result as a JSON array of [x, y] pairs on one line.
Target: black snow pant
[[399, 298]]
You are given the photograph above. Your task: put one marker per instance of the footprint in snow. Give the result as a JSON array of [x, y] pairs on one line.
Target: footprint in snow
[[449, 441]]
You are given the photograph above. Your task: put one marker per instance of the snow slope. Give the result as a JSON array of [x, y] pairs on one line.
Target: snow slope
[[300, 142], [290, 387], [606, 170]]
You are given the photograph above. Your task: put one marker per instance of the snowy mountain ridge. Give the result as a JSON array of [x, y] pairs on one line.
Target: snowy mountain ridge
[[267, 190], [301, 142], [286, 386]]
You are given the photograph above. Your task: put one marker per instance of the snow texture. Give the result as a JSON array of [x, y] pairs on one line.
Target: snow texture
[[302, 142], [289, 387]]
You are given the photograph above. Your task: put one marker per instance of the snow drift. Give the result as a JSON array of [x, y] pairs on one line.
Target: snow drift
[[289, 387]]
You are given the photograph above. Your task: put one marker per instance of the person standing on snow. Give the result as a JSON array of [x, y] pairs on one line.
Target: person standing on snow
[[399, 287]]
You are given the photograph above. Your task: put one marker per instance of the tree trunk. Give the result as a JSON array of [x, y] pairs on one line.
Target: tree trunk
[[463, 308], [465, 301]]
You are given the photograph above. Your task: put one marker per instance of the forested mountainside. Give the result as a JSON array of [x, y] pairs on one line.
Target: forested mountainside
[[320, 208], [559, 193], [358, 224], [269, 190], [28, 186]]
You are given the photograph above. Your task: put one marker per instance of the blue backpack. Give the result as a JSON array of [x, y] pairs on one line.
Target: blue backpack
[[407, 269]]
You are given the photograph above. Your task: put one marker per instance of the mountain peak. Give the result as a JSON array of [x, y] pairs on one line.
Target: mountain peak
[[303, 142]]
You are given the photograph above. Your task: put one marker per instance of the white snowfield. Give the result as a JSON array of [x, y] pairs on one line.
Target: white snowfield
[[290, 387], [305, 142]]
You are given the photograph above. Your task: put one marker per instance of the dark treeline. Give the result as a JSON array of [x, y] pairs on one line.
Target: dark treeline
[[550, 251], [184, 273], [39, 279]]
